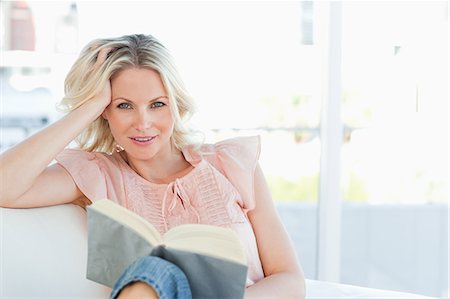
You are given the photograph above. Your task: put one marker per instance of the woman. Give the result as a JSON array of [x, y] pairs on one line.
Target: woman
[[127, 109]]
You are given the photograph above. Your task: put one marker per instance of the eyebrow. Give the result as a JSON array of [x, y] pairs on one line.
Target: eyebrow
[[152, 100]]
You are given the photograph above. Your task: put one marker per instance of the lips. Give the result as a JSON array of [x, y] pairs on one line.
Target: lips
[[142, 139]]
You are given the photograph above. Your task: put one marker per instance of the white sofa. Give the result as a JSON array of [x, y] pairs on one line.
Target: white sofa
[[43, 254]]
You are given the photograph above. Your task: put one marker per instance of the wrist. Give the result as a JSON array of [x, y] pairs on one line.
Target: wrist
[[93, 107]]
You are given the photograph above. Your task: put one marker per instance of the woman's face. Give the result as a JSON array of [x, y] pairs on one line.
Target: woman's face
[[139, 115]]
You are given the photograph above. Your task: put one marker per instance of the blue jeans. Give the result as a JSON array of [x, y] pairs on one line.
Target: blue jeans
[[167, 279]]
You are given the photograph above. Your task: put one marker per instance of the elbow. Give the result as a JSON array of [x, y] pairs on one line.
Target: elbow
[[7, 198], [5, 202], [4, 198], [9, 195]]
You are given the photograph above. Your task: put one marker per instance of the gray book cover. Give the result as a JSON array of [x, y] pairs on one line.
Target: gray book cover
[[112, 247]]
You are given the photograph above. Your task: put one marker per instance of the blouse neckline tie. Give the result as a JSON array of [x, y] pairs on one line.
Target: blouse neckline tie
[[171, 203]]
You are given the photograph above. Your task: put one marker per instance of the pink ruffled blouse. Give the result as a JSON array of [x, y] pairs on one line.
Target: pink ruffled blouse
[[217, 191]]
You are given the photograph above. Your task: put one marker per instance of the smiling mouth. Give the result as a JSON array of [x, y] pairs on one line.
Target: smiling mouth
[[142, 139]]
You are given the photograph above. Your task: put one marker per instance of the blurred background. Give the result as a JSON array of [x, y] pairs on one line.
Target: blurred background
[[350, 99]]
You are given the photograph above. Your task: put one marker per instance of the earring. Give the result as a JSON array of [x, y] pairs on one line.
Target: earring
[[119, 148]]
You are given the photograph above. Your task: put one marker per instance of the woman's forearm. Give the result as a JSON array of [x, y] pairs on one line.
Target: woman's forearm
[[22, 164], [281, 285]]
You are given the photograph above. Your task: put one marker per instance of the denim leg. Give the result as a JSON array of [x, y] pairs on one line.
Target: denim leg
[[167, 279]]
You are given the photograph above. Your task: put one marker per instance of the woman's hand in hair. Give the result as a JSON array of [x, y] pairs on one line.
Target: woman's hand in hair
[[104, 96]]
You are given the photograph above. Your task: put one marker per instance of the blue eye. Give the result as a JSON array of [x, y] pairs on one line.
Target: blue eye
[[124, 106], [157, 105]]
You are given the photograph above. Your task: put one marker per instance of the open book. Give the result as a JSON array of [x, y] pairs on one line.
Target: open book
[[212, 257]]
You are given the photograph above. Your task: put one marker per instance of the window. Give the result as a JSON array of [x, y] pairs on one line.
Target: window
[[395, 102]]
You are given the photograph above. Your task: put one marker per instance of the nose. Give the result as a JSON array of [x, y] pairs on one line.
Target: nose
[[143, 120]]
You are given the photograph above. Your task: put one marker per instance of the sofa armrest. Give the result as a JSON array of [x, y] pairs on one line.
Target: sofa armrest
[[43, 253]]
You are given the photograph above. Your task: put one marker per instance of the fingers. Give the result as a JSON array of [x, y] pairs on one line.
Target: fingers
[[101, 57]]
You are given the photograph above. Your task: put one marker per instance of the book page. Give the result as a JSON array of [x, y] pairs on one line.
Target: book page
[[128, 218], [207, 239]]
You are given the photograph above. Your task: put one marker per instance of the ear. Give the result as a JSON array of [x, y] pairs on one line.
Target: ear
[[105, 114]]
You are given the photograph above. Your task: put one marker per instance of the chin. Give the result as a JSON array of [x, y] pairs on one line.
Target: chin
[[141, 156]]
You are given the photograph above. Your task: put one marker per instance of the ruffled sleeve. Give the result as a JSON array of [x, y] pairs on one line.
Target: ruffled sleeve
[[85, 169], [237, 159]]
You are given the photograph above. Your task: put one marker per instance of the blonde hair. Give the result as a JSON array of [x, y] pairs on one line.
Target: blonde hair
[[84, 81]]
